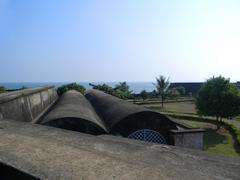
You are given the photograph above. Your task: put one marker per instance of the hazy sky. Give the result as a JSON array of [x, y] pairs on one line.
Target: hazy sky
[[118, 40]]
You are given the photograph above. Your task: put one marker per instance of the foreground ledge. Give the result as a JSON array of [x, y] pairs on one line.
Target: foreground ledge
[[50, 153]]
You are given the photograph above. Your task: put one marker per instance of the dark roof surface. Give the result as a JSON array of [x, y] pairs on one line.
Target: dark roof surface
[[72, 106], [114, 110], [100, 113]]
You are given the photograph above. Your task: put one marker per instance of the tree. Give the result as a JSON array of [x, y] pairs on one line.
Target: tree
[[2, 89], [181, 90], [103, 87], [72, 86], [154, 94], [218, 97], [177, 91], [24, 87], [143, 94], [173, 93], [162, 86], [122, 90]]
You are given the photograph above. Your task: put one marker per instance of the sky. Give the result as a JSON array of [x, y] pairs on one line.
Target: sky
[[120, 40]]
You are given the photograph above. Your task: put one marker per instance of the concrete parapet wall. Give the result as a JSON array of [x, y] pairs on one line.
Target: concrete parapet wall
[[191, 138], [50, 153], [28, 104]]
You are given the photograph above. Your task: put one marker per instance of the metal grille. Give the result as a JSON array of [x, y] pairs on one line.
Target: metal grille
[[148, 135]]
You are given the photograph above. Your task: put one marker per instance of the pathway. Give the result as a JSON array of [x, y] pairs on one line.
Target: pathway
[[232, 121]]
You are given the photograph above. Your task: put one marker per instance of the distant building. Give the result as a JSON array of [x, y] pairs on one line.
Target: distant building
[[192, 88], [238, 83]]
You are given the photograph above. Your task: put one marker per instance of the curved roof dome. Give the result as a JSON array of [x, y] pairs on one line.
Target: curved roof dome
[[124, 118], [74, 112]]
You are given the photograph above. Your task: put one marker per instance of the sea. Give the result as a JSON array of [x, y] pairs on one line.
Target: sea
[[135, 87]]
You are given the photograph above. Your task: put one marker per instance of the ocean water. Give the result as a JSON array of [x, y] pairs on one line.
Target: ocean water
[[134, 86]]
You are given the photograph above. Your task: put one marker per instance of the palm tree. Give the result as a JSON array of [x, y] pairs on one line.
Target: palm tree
[[162, 86]]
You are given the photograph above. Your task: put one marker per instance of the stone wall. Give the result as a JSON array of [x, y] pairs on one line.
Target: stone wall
[[27, 105]]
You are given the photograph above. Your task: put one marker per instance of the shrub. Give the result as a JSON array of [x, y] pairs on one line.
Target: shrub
[[121, 90], [237, 117], [72, 86], [233, 129], [2, 89]]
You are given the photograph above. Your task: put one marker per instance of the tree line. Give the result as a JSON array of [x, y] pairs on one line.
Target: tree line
[[216, 97], [122, 90]]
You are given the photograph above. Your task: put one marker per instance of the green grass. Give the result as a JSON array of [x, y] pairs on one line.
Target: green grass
[[198, 124], [175, 107], [217, 141], [237, 118], [187, 107]]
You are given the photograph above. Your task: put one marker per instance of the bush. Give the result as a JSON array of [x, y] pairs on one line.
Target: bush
[[233, 129], [237, 117], [2, 89], [145, 95], [72, 86], [121, 90]]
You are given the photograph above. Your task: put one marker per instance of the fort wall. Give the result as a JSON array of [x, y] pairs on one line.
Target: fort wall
[[74, 112], [27, 105]]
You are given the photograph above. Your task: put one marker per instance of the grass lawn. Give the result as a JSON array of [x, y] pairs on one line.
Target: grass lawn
[[217, 141], [187, 107], [237, 118], [175, 107]]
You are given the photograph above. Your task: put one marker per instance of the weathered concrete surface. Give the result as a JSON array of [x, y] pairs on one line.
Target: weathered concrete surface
[[72, 111], [192, 138], [28, 104], [51, 153]]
